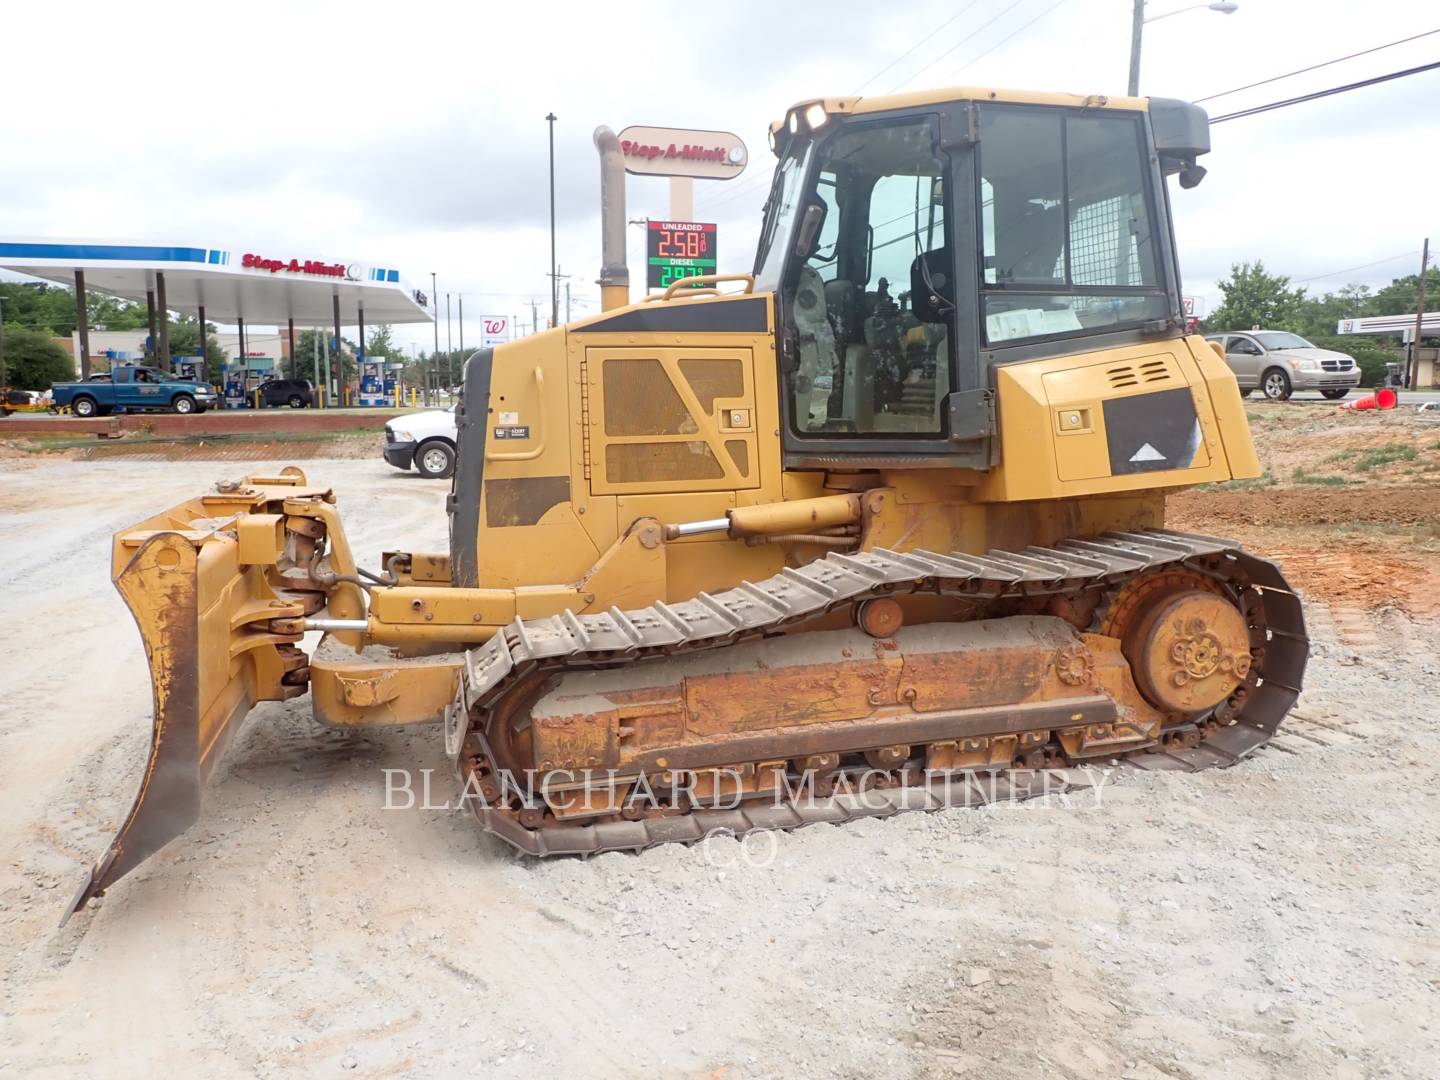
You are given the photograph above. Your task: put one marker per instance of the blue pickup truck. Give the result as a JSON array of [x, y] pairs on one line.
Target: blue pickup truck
[[133, 388]]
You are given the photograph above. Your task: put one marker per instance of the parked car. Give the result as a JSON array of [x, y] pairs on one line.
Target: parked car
[[133, 388], [425, 440], [1278, 363], [296, 393]]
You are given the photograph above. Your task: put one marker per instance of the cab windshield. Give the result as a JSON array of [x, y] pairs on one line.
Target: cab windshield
[[780, 211]]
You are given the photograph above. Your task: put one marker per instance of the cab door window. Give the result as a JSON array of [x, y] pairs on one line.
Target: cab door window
[[1069, 246], [874, 301]]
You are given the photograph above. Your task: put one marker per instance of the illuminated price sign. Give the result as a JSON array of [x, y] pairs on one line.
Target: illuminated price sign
[[678, 249]]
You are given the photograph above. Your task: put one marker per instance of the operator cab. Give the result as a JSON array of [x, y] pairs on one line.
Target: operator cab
[[911, 249]]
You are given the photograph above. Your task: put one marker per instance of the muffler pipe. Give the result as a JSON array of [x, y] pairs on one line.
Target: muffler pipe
[[614, 274]]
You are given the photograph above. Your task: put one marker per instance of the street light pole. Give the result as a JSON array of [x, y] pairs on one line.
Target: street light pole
[[1412, 362], [1137, 29], [554, 281], [434, 299]]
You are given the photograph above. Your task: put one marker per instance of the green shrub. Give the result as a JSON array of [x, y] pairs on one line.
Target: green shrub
[[1264, 480], [1384, 455], [32, 359], [1325, 479]]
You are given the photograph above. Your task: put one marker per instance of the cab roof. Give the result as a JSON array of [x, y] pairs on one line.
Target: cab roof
[[861, 105]]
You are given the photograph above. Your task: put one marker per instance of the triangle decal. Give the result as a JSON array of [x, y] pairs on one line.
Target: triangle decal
[[1148, 453]]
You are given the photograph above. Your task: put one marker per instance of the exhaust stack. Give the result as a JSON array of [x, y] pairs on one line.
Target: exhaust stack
[[614, 274]]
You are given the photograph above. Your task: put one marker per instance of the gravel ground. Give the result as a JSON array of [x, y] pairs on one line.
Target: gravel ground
[[1272, 920]]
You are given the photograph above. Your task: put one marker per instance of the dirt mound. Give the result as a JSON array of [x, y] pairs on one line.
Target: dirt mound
[[1211, 511], [1359, 577]]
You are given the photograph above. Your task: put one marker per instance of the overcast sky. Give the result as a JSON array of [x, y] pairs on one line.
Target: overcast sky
[[414, 136]]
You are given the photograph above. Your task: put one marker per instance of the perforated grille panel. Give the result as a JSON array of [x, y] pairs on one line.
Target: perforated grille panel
[[641, 400], [711, 379], [637, 463]]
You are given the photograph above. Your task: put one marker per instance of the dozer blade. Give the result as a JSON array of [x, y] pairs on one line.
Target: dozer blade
[[195, 580]]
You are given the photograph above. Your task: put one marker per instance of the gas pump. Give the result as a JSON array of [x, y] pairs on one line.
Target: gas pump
[[259, 371], [235, 387], [119, 357], [190, 368], [392, 382], [372, 382]]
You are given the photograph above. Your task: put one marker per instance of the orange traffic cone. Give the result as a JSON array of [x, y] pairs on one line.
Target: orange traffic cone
[[1384, 398]]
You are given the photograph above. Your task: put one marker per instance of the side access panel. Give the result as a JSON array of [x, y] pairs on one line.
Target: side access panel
[[672, 420], [1127, 419]]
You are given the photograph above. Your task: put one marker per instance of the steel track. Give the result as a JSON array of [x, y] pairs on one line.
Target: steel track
[[795, 596]]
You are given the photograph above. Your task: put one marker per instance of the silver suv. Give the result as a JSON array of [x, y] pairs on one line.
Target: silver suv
[[1279, 363]]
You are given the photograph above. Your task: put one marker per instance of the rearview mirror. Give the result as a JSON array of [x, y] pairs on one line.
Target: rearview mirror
[[809, 231]]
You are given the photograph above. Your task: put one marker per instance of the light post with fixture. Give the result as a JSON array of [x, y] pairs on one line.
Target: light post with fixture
[[1137, 28]]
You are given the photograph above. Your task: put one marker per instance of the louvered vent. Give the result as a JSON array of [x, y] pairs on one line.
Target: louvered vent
[[1150, 371], [1154, 371]]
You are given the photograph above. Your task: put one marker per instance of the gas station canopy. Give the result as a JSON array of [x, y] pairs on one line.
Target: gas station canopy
[[1403, 325], [228, 284]]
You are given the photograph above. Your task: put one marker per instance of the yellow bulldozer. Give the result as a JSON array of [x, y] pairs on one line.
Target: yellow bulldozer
[[878, 526]]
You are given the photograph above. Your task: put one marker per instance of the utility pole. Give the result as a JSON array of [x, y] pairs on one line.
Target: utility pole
[[3, 383], [460, 300], [534, 316], [555, 278], [554, 281], [1412, 365], [449, 347], [435, 300], [1137, 29]]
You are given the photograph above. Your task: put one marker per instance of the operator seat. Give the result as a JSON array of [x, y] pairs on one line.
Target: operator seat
[[818, 356], [846, 303], [932, 299]]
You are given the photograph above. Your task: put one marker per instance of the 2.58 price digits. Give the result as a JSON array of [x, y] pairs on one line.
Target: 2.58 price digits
[[674, 244]]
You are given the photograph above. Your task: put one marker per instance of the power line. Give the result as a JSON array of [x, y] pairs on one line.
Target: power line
[[1007, 37], [1352, 269], [735, 192], [1325, 93], [930, 36], [967, 38], [747, 185], [1316, 67], [749, 182]]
